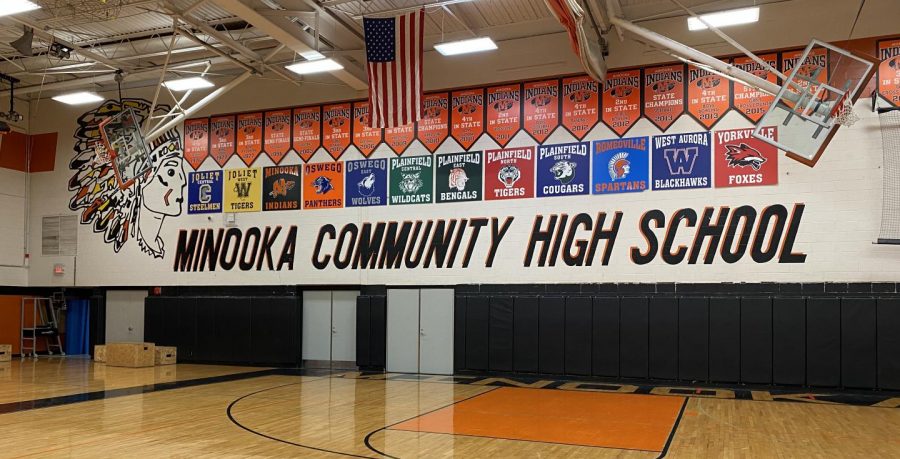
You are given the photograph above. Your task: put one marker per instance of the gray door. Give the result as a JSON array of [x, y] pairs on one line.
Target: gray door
[[403, 330], [125, 316], [343, 328], [317, 328], [436, 331]]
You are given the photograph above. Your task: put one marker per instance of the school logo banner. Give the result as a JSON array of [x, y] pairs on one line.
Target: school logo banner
[[400, 138], [664, 94], [503, 113], [366, 182], [336, 129], [281, 188], [681, 161], [743, 160], [509, 173], [621, 165], [205, 192], [307, 137], [749, 101], [467, 119], [277, 138], [458, 177], [434, 126], [196, 141], [243, 190], [365, 138], [323, 185], [249, 136], [412, 180], [221, 139], [563, 170], [889, 71], [541, 115], [815, 67], [709, 96], [580, 105], [622, 100]]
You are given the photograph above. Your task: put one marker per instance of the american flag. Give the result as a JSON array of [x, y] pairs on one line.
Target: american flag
[[394, 51]]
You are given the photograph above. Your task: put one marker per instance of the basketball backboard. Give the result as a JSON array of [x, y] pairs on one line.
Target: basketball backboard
[[125, 146], [821, 78]]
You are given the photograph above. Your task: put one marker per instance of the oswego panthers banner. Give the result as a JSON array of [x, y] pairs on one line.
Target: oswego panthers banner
[[889, 71], [580, 105], [307, 131], [323, 185], [336, 129], [249, 136], [196, 141], [277, 138], [664, 94], [503, 113], [434, 126], [221, 139], [467, 117], [749, 101], [541, 112], [622, 100], [709, 96]]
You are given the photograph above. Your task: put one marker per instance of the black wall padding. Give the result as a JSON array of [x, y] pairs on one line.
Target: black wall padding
[[888, 343], [663, 350], [605, 352], [378, 330], [789, 341], [459, 333], [578, 335], [823, 342], [858, 366], [233, 330], [154, 320], [693, 339], [207, 343], [633, 339], [552, 335], [363, 335], [273, 322], [526, 329], [756, 340], [724, 339], [186, 329], [477, 332], [501, 334]]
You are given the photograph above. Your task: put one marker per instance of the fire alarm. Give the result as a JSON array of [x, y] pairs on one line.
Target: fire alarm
[[59, 269]]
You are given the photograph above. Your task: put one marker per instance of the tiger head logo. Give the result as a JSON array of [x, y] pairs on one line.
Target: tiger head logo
[[281, 187], [744, 155], [458, 178], [509, 175], [410, 183], [563, 171], [322, 184]]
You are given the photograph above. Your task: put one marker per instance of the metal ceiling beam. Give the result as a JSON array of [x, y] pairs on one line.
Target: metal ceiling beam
[[38, 30]]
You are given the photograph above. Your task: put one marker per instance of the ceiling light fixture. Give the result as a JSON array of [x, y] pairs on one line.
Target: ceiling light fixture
[[472, 45], [78, 98], [8, 7], [187, 84], [315, 66], [725, 18]]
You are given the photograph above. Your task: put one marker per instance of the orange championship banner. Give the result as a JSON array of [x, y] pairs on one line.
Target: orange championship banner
[[336, 120], [249, 136], [277, 135], [434, 126], [196, 141], [504, 108], [747, 100], [307, 131], [709, 96], [400, 137], [323, 185], [366, 139], [467, 118], [221, 138], [664, 94], [889, 71], [816, 61], [580, 105], [540, 115], [622, 100]]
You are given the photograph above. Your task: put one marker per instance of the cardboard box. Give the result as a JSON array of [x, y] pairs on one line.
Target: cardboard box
[[166, 355], [5, 352], [100, 353], [132, 355]]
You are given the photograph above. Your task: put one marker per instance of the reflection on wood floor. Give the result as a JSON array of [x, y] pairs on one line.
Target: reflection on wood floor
[[270, 415]]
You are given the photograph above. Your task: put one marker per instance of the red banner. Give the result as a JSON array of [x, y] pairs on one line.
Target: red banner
[[709, 96], [664, 94], [336, 128], [749, 101], [580, 105], [743, 160], [816, 61], [434, 126], [889, 71], [503, 113], [307, 136], [277, 138], [365, 138], [221, 138], [541, 112], [467, 119], [249, 136], [196, 141], [622, 100], [400, 138]]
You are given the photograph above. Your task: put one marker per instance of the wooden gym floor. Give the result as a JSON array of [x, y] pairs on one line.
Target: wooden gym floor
[[74, 408]]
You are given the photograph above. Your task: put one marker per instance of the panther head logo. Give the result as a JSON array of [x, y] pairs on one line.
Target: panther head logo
[[410, 183], [322, 184], [509, 175], [744, 155], [563, 171]]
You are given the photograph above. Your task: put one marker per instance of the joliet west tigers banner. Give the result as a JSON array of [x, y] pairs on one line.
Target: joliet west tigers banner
[[277, 137], [307, 135], [709, 96], [622, 100], [196, 141], [749, 101], [249, 136], [889, 71]]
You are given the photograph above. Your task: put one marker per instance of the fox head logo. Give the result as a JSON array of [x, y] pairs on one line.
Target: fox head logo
[[281, 187], [744, 155]]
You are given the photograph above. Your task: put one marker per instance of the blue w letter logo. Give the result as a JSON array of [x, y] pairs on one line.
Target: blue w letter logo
[[681, 160]]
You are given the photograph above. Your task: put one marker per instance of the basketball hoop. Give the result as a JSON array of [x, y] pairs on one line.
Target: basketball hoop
[[843, 113]]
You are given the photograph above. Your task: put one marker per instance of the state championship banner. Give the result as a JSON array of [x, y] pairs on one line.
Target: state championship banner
[[277, 135], [889, 71], [221, 139], [467, 116], [621, 165], [750, 101], [366, 139], [563, 170], [412, 180], [281, 188], [196, 141], [458, 177], [336, 120], [434, 127], [249, 136], [709, 96], [580, 105], [504, 119], [743, 160], [323, 185], [400, 138], [243, 190], [622, 100], [366, 182], [205, 192], [541, 108], [509, 173], [307, 131], [664, 94], [816, 63], [682, 161]]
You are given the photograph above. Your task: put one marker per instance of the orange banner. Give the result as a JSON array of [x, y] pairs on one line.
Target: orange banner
[[504, 109], [467, 119], [433, 128], [249, 136], [307, 135], [889, 71], [400, 138], [336, 128], [541, 108], [749, 101], [816, 63], [196, 141], [622, 100], [277, 138], [664, 94], [221, 138], [709, 96], [580, 105], [365, 138]]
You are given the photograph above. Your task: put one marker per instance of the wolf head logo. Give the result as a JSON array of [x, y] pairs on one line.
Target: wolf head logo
[[367, 185], [744, 155]]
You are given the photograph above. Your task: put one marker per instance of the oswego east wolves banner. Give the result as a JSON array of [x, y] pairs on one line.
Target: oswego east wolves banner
[[412, 180], [400, 138], [366, 182], [749, 101], [743, 160], [196, 141], [816, 63], [709, 96], [580, 105], [467, 117], [336, 129], [222, 138], [434, 126], [281, 188], [458, 177], [509, 173], [323, 185], [365, 138], [621, 165], [277, 138], [541, 112], [682, 161], [503, 113], [249, 136], [622, 100], [243, 190], [664, 94], [889, 71], [307, 137]]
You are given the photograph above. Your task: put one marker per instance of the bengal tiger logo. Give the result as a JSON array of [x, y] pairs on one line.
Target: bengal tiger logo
[[621, 92], [457, 179], [281, 187], [709, 82], [744, 155]]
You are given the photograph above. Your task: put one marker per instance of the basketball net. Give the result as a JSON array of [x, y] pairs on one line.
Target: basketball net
[[843, 113]]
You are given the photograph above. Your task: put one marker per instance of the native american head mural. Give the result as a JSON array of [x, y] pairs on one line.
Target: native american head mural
[[137, 211]]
